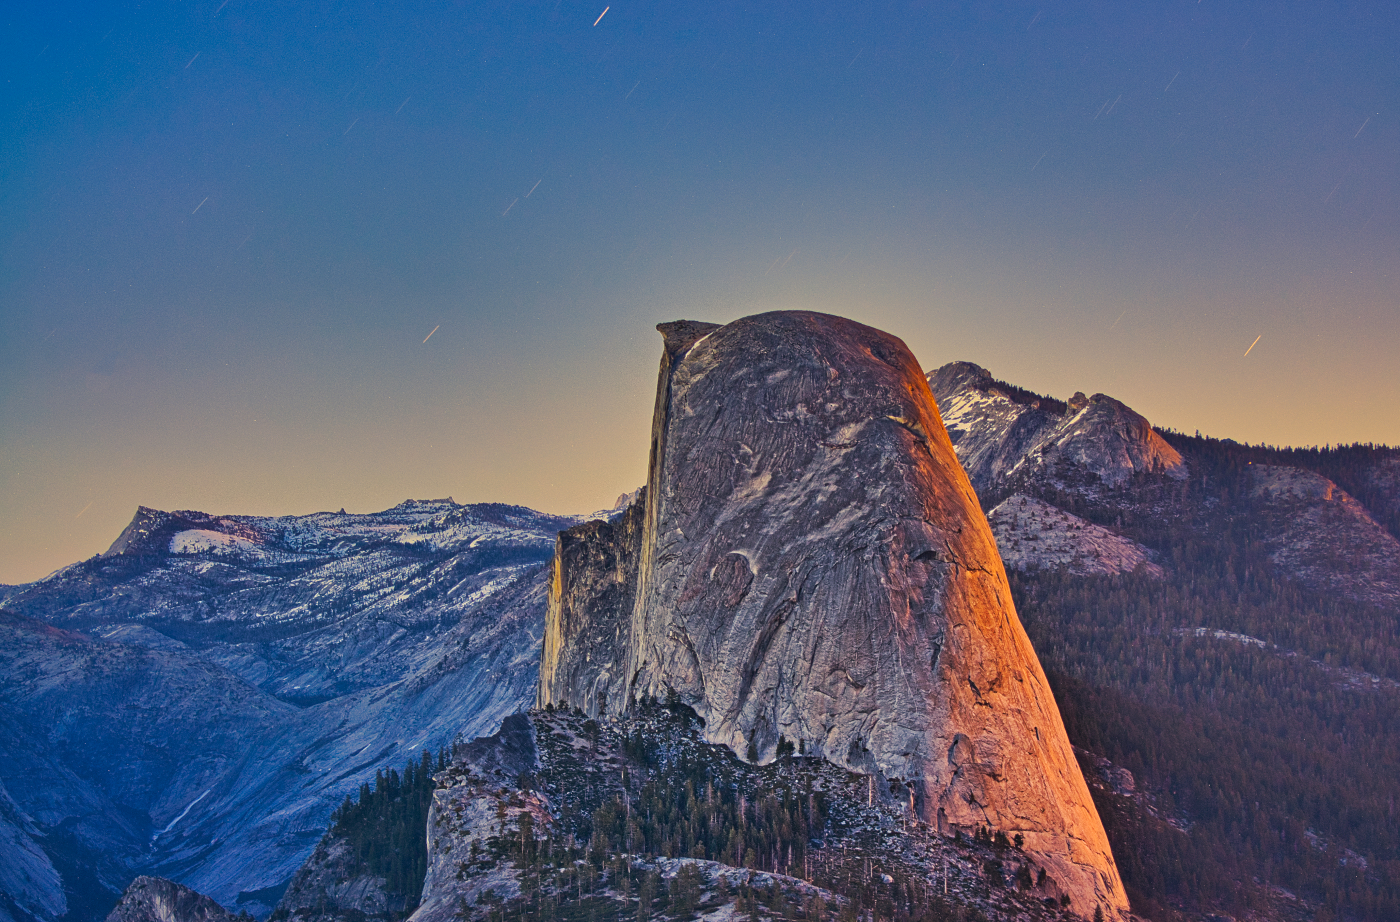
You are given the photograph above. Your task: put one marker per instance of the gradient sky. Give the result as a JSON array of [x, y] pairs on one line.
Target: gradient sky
[[227, 227]]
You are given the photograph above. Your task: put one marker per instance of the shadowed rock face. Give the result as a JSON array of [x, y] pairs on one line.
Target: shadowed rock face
[[155, 899], [591, 593], [814, 566], [335, 885]]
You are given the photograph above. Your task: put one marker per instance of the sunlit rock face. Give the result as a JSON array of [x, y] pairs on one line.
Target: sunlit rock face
[[814, 567], [1000, 438]]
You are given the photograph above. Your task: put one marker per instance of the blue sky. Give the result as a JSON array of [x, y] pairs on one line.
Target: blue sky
[[227, 228]]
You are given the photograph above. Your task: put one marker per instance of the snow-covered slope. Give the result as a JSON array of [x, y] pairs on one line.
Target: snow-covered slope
[[219, 683], [1002, 434], [307, 608]]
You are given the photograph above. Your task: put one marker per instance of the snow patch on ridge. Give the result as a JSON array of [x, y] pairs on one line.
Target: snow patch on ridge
[[200, 540]]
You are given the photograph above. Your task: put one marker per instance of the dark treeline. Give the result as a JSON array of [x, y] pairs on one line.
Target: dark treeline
[[1030, 398], [699, 803], [682, 813], [1260, 717], [1356, 468], [570, 883], [386, 825]]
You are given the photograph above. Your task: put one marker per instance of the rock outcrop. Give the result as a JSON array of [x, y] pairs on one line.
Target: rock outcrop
[[579, 814], [155, 899], [469, 809], [1001, 432], [1325, 538], [1034, 535], [814, 568], [335, 885]]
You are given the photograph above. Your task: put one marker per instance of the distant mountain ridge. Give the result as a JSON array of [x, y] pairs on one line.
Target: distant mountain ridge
[[1013, 441], [270, 597], [228, 679], [1003, 433], [1241, 675]]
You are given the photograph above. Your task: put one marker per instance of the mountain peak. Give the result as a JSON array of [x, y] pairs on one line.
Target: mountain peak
[[1002, 432], [419, 504], [155, 899], [962, 374], [146, 532], [810, 568]]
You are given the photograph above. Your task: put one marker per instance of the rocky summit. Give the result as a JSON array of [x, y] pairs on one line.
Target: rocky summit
[[810, 567], [1005, 435], [155, 899]]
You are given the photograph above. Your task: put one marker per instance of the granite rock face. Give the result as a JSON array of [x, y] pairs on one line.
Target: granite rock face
[[594, 584], [1034, 535], [1001, 432], [155, 899], [814, 567], [467, 811], [335, 885]]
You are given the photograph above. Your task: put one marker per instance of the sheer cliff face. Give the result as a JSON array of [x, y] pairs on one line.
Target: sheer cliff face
[[814, 567], [591, 594]]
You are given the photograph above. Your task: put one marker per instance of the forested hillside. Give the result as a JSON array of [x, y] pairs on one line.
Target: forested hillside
[[639, 819], [385, 825], [371, 862], [1259, 718]]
